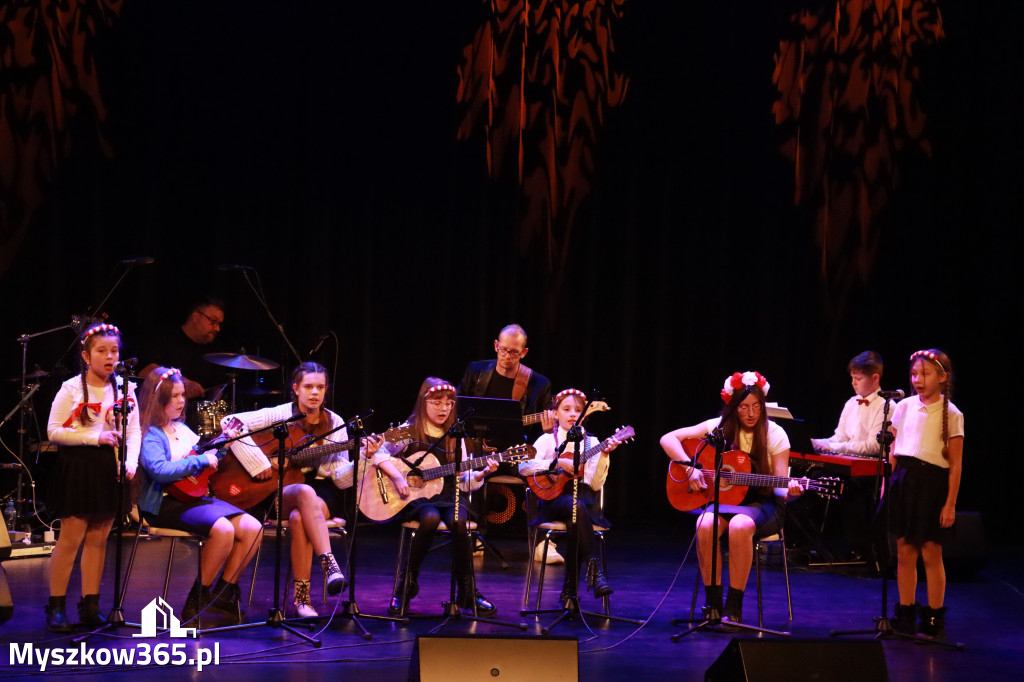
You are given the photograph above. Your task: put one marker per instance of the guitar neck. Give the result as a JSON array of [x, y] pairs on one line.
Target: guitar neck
[[316, 453], [752, 480], [532, 418], [468, 465]]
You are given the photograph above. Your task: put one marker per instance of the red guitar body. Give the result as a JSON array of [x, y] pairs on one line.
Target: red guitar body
[[678, 488]]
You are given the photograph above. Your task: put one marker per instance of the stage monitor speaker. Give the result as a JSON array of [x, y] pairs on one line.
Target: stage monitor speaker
[[458, 658], [799, 660]]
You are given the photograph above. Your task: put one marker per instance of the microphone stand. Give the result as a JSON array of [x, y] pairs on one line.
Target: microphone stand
[[570, 609], [116, 617], [712, 616], [452, 612], [883, 625], [350, 608], [266, 308]]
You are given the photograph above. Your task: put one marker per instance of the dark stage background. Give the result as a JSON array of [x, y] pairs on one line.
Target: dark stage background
[[317, 142]]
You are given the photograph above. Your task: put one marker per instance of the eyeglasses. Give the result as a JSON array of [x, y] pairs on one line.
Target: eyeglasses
[[441, 404], [754, 409], [510, 353], [214, 322]]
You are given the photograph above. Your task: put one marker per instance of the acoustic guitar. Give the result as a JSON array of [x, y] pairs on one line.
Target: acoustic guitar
[[232, 483], [192, 487], [548, 484], [379, 501], [736, 478]]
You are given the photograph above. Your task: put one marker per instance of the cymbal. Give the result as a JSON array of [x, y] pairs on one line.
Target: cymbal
[[259, 390], [239, 361], [38, 374]]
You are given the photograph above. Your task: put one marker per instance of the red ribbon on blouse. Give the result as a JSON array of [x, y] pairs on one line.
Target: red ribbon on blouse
[[77, 412]]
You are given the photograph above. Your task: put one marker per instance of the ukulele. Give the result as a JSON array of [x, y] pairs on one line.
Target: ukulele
[[736, 478], [198, 485], [548, 484]]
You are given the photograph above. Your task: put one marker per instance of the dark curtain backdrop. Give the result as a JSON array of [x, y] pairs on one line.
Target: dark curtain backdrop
[[316, 142]]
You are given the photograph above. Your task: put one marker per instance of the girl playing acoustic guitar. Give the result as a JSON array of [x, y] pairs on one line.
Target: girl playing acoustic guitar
[[431, 418], [169, 455], [568, 406], [747, 428], [305, 511]]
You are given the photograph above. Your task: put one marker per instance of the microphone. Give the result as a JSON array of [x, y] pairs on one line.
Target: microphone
[[119, 368], [229, 267], [141, 260], [898, 394], [294, 418], [319, 343]]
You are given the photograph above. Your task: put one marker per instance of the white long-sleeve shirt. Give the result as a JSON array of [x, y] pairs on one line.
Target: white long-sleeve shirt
[[595, 471], [62, 429]]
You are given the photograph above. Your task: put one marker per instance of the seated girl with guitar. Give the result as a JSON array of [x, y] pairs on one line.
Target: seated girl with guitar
[[432, 416], [304, 509], [747, 428], [568, 406], [170, 453]]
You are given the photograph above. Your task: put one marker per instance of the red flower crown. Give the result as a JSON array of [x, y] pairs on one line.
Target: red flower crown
[[738, 380]]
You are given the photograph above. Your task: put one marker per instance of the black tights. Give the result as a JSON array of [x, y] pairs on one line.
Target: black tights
[[560, 509], [430, 518]]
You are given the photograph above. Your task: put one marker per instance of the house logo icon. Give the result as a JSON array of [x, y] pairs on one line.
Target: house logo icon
[[158, 615]]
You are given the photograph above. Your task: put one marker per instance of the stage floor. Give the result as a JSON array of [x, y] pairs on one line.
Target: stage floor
[[644, 568]]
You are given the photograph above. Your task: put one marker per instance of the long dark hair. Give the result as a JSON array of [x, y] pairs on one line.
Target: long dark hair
[[731, 425]]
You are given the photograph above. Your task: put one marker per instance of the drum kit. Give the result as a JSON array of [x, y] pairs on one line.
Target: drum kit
[[207, 414]]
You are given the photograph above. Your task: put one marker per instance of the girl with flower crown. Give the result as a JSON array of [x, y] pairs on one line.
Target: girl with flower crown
[[745, 423], [927, 457], [168, 455], [432, 416], [568, 406], [85, 423]]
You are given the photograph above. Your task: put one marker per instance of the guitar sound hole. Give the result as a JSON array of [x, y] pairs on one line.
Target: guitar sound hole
[[414, 482]]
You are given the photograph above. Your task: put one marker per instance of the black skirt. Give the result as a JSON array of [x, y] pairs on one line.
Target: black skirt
[[85, 483], [917, 492]]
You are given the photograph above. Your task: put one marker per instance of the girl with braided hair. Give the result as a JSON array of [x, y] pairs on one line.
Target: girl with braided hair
[[745, 423], [84, 423], [927, 459]]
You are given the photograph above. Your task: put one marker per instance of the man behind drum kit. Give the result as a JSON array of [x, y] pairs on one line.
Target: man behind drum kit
[[184, 348]]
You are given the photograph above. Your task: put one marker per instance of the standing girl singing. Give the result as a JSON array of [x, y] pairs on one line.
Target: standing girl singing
[[927, 460], [84, 423]]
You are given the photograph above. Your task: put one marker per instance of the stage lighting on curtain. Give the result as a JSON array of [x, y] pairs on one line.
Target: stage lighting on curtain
[[848, 80], [48, 77], [538, 79]]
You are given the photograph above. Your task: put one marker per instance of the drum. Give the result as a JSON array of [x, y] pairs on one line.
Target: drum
[[207, 415]]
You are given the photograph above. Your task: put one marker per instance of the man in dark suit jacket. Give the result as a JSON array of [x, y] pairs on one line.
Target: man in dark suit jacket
[[507, 377]]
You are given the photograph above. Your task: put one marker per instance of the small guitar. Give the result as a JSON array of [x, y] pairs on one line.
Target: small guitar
[[379, 501], [547, 485], [191, 487], [232, 483], [736, 478], [596, 406]]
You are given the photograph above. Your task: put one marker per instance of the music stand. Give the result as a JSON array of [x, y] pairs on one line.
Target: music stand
[[499, 421]]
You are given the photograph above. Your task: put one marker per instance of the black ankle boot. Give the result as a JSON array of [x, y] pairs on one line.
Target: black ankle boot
[[732, 612], [89, 611], [470, 599], [198, 598], [56, 615], [933, 623], [395, 607], [225, 599], [906, 619], [596, 580], [713, 597], [336, 580]]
